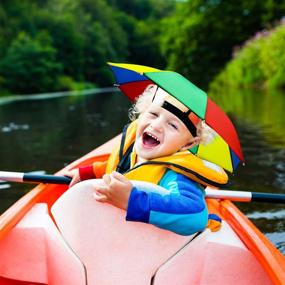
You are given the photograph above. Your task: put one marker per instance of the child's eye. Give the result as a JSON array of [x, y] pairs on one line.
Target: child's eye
[[174, 126], [153, 114]]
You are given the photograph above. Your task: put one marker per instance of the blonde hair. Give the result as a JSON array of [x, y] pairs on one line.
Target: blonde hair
[[142, 102], [205, 133]]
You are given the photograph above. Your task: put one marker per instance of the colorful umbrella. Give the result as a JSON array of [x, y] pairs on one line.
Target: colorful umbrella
[[225, 149]]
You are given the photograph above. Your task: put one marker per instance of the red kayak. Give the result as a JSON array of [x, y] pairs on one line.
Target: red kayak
[[53, 236]]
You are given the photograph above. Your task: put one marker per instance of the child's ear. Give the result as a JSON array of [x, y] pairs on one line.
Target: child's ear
[[192, 143]]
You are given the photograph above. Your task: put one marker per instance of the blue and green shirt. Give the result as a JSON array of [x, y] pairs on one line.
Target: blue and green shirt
[[182, 210]]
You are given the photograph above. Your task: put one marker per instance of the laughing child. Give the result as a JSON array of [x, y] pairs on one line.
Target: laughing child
[[155, 148]]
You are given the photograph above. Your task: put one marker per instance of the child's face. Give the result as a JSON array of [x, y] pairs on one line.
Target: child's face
[[160, 133]]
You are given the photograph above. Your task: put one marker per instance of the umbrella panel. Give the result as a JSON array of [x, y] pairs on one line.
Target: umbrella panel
[[134, 89], [209, 152], [180, 88], [125, 76], [220, 122]]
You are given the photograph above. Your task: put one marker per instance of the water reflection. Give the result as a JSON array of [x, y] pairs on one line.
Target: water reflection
[[49, 134], [260, 122], [265, 165], [262, 110], [14, 127]]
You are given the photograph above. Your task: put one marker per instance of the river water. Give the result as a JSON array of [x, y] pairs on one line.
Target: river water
[[46, 134]]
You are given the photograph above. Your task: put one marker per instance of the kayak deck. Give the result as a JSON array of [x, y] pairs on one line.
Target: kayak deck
[[31, 242], [115, 252]]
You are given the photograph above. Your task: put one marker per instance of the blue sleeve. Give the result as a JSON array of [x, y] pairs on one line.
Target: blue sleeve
[[183, 210]]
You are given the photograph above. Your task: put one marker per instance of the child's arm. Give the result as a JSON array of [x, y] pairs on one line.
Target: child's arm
[[95, 170], [182, 211]]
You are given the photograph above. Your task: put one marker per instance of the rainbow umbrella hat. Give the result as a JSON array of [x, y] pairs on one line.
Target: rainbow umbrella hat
[[225, 149]]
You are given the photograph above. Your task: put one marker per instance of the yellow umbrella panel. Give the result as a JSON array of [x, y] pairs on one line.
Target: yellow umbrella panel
[[217, 151]]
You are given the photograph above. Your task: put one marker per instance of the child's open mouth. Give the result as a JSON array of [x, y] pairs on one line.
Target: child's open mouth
[[150, 140]]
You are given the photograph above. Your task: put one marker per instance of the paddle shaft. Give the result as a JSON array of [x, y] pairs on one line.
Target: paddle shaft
[[33, 178], [245, 196], [233, 195]]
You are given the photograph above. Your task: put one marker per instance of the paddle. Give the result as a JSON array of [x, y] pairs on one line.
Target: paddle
[[245, 196], [233, 195], [33, 178]]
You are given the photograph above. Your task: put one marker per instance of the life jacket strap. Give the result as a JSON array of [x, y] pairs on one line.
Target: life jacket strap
[[124, 158], [123, 139]]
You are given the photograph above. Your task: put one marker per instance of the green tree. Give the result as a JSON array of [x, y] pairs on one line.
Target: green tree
[[29, 65], [66, 40], [99, 11], [83, 35], [141, 20], [139, 9], [144, 46], [104, 39]]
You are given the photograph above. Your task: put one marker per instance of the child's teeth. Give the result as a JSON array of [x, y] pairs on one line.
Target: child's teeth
[[154, 137]]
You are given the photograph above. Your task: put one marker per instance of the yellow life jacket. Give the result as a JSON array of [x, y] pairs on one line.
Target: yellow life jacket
[[186, 163]]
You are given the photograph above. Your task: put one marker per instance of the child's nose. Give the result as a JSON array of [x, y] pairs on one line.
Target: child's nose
[[157, 124]]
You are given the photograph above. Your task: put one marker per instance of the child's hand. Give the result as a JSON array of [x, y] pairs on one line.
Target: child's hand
[[74, 175], [116, 190]]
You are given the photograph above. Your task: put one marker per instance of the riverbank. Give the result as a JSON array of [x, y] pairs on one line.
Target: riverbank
[[12, 98], [258, 64]]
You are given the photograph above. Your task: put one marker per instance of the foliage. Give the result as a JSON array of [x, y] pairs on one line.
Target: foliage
[[144, 9], [67, 83], [259, 63], [82, 36], [193, 37], [31, 63], [201, 34], [273, 58]]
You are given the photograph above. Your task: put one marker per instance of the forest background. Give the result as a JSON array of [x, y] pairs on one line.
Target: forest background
[[57, 45]]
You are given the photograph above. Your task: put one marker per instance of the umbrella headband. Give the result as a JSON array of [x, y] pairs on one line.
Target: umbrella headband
[[184, 117], [178, 109]]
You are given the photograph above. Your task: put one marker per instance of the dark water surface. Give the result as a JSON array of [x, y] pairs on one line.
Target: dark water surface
[[46, 135]]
